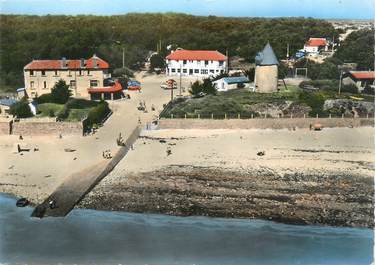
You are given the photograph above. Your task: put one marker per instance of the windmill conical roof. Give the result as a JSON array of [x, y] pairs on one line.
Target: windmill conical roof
[[266, 57]]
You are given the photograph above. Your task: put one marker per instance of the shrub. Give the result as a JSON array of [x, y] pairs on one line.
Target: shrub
[[351, 88], [60, 92], [315, 101], [45, 98], [369, 90], [98, 113], [63, 114], [51, 113], [21, 109], [79, 103]]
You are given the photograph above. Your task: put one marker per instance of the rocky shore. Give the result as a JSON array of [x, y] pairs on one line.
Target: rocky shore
[[319, 198]]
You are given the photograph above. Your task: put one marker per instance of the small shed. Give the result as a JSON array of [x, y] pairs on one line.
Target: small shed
[[227, 83]]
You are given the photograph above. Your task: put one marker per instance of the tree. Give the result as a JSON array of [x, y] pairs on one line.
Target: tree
[[21, 109], [196, 88], [157, 61], [60, 92]]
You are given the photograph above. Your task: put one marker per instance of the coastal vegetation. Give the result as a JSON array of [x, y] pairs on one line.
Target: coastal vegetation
[[248, 104], [24, 38]]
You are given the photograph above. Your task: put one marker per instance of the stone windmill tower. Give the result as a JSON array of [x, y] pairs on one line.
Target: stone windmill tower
[[266, 71]]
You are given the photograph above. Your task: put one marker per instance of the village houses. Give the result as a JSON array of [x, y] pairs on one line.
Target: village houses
[[315, 45], [85, 77], [196, 63], [360, 79]]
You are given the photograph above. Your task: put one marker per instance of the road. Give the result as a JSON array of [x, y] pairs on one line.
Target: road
[[36, 175]]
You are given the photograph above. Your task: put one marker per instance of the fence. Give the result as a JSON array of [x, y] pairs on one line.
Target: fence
[[224, 116], [262, 123]]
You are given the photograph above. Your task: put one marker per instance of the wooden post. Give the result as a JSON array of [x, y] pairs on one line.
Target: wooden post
[[252, 115], [317, 115], [330, 116], [171, 116], [304, 116], [239, 116], [367, 116], [342, 116], [185, 115], [225, 116], [199, 116], [212, 116], [291, 115]]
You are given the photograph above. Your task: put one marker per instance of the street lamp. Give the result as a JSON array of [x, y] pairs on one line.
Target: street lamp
[[123, 52]]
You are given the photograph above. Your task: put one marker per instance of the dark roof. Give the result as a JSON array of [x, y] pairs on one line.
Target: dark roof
[[236, 79], [7, 102], [266, 57]]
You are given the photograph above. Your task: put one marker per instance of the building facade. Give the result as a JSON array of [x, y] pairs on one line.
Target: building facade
[[81, 75], [360, 79], [195, 63], [315, 45], [234, 82], [266, 71]]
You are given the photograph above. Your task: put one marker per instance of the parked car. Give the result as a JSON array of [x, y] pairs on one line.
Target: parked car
[[134, 85]]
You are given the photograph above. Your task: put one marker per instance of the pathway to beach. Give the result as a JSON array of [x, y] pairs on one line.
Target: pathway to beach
[[35, 175]]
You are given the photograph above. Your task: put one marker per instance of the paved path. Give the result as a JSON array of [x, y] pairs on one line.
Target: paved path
[[125, 120], [77, 185]]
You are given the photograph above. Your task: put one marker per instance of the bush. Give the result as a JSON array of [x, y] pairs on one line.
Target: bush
[[21, 109], [79, 103], [63, 114], [98, 113], [60, 92], [45, 98], [157, 61], [315, 101], [349, 89], [369, 90]]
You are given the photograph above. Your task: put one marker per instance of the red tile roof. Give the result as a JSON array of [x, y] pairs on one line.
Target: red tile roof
[[196, 55], [71, 64], [363, 74], [316, 42], [111, 89]]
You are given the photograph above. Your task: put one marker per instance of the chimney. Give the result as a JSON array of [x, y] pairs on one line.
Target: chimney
[[82, 63], [63, 62]]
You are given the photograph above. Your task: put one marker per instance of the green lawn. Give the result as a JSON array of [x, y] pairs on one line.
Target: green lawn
[[77, 114], [45, 109], [78, 109]]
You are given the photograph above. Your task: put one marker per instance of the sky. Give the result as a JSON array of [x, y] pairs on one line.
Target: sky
[[339, 9]]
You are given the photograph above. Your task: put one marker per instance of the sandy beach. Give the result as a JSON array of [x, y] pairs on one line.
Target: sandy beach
[[307, 177]]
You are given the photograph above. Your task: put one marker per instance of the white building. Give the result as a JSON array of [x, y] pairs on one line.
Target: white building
[[315, 45], [227, 83], [196, 63]]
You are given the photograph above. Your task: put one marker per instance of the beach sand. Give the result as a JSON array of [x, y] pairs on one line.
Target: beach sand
[[308, 177]]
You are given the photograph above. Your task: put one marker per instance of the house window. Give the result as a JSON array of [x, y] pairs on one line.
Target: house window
[[43, 73], [204, 71], [73, 83], [32, 73], [221, 63], [196, 71], [205, 62], [212, 71], [69, 73], [178, 70], [45, 84], [80, 72], [93, 83], [184, 71], [212, 61], [198, 62], [173, 70], [184, 61], [32, 84], [88, 72], [56, 73]]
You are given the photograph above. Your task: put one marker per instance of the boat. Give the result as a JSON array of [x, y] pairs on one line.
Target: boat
[[22, 202]]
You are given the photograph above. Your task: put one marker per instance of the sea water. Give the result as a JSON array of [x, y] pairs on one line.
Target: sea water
[[101, 237]]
